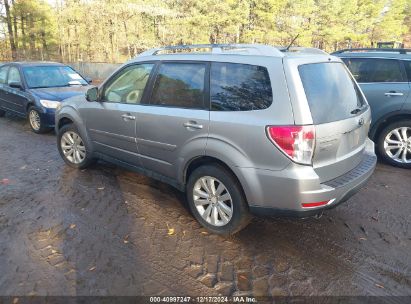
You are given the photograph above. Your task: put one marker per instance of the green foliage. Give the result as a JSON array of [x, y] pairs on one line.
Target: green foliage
[[36, 27], [114, 30]]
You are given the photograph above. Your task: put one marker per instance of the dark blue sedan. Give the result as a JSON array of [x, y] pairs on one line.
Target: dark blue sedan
[[35, 89]]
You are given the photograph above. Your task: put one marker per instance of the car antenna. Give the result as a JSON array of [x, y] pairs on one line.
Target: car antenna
[[291, 43]]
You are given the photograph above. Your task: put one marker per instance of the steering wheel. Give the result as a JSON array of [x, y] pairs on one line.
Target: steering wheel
[[133, 96]]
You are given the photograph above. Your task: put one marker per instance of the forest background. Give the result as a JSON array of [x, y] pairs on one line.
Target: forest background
[[113, 31]]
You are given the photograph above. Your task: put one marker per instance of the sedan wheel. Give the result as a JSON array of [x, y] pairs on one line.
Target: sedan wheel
[[73, 147], [213, 201], [34, 119], [397, 145]]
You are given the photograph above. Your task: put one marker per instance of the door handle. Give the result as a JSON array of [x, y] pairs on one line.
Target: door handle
[[128, 117], [393, 93], [192, 125]]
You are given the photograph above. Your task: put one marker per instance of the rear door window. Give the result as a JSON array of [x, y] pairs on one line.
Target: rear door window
[[331, 92], [180, 84], [366, 70], [239, 87]]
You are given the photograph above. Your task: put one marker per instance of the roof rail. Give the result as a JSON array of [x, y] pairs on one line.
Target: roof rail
[[401, 50], [249, 49], [307, 50]]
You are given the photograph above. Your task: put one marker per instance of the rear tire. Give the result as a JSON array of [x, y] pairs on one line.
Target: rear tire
[[216, 200], [35, 121], [2, 113], [73, 148], [394, 144]]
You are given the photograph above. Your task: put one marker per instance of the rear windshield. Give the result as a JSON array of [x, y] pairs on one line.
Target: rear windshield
[[331, 92]]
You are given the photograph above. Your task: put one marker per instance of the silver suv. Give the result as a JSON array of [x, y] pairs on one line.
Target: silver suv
[[242, 129]]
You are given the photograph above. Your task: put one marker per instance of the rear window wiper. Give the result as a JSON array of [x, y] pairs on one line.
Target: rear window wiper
[[360, 108]]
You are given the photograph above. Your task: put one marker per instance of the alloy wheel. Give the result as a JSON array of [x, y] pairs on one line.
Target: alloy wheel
[[73, 147], [397, 145], [34, 119], [213, 201]]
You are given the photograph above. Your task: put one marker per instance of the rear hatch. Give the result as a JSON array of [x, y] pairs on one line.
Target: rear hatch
[[340, 114]]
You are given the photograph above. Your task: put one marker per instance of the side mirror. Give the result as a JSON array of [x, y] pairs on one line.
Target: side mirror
[[15, 85], [92, 94], [89, 80]]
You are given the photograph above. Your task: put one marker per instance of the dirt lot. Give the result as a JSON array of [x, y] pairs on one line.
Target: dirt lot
[[107, 231]]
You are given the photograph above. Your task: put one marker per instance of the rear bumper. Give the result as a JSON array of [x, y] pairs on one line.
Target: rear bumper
[[367, 164], [284, 192]]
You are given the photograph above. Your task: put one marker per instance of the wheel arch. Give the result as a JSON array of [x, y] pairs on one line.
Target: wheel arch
[[32, 101], [63, 121], [386, 120], [210, 160], [29, 105], [203, 160], [67, 115]]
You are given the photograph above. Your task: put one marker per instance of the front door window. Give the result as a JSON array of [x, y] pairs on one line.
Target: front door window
[[128, 86]]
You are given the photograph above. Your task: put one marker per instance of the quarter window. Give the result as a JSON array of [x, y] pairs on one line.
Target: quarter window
[[180, 85], [239, 87], [3, 74], [129, 85], [14, 76], [367, 70]]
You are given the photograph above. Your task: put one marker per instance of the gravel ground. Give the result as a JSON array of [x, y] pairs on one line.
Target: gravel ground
[[107, 231]]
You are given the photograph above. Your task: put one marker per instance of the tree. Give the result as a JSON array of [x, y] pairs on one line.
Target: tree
[[10, 29]]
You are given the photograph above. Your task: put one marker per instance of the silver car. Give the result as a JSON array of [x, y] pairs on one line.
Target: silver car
[[242, 129]]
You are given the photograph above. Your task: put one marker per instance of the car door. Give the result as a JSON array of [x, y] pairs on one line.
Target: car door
[[16, 97], [407, 103], [3, 83], [174, 126], [111, 122], [383, 82]]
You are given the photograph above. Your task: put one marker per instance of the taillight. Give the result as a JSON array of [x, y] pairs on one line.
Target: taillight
[[297, 142]]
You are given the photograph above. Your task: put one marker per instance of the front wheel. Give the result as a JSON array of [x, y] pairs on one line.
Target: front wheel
[[394, 144], [72, 147], [216, 200], [35, 121]]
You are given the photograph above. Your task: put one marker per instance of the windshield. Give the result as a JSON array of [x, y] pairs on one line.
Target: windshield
[[331, 92], [52, 76]]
